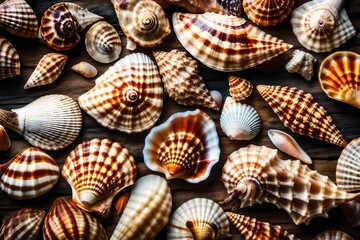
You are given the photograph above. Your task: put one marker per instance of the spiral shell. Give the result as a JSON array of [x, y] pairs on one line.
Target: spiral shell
[[302, 63], [5, 142], [333, 235], [239, 88], [85, 69], [9, 60]]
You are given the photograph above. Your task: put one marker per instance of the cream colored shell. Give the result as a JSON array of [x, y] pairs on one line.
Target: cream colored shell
[[85, 69], [302, 63]]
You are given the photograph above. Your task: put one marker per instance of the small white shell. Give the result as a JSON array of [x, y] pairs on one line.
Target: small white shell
[[302, 63], [85, 69]]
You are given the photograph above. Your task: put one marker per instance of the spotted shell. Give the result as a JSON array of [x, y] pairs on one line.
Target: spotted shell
[[128, 97], [85, 69], [351, 211], [333, 235], [5, 142], [185, 146], [239, 88], [302, 63], [9, 60]]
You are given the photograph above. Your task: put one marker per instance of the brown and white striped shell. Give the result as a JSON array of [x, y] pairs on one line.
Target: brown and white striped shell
[[239, 88], [256, 174], [302, 63], [97, 170], [225, 43], [66, 221], [5, 142], [9, 60], [351, 211], [128, 97], [85, 69], [29, 174], [185, 146], [339, 77], [333, 235], [299, 112], [198, 218], [182, 80]]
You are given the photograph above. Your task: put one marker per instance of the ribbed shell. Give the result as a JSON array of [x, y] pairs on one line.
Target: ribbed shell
[[339, 77], [9, 60], [128, 97], [29, 174], [225, 43], [351, 211], [333, 235], [5, 142], [85, 69], [147, 210], [239, 88], [185, 146], [198, 218], [255, 174], [299, 112], [182, 80], [97, 170], [302, 63]]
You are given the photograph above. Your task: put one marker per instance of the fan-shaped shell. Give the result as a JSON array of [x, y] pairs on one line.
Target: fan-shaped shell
[[9, 60], [239, 121], [185, 146], [128, 97], [198, 218], [333, 235], [239, 88], [339, 77], [85, 69], [351, 211], [97, 170], [225, 43], [302, 63], [5, 142]]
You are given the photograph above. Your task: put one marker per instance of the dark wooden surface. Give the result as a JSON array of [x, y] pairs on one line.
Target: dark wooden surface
[[324, 155]]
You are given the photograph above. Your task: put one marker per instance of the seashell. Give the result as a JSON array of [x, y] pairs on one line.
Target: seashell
[[256, 174], [9, 60], [253, 229], [29, 174], [143, 21], [18, 18], [85, 69], [66, 221], [97, 170], [231, 7], [5, 142], [128, 97], [130, 45], [333, 235], [150, 201], [339, 77], [239, 88], [51, 122], [302, 63], [23, 224], [182, 80], [216, 95], [288, 145], [322, 25], [62, 22], [47, 70], [239, 121], [351, 211], [225, 43], [198, 218], [311, 118], [185, 146], [103, 43]]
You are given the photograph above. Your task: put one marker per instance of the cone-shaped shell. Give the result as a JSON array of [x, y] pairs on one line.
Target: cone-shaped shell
[[147, 210], [225, 43], [9, 60], [239, 88], [339, 77], [5, 142], [299, 112], [302, 63], [128, 97], [182, 80], [97, 170], [185, 146], [85, 69], [351, 211], [198, 218], [333, 235]]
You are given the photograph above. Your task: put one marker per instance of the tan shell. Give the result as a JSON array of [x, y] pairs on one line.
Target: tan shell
[[239, 88], [182, 80], [311, 118], [5, 142], [9, 60], [85, 69], [351, 211], [333, 235], [302, 63]]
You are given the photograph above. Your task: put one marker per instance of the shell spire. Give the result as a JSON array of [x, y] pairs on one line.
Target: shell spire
[[9, 60]]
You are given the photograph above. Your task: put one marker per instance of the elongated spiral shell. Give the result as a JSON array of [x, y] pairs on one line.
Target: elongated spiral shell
[[333, 235], [302, 63], [5, 142], [239, 88], [9, 60]]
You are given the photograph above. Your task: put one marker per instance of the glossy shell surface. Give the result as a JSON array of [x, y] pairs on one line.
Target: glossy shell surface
[[9, 60]]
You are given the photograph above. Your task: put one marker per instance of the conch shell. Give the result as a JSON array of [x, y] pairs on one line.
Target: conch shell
[[239, 88], [9, 60], [302, 63], [5, 142], [333, 235], [85, 69]]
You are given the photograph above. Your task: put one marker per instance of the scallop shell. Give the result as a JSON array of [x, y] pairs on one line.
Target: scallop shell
[[66, 221], [256, 174], [239, 121], [97, 170], [143, 21], [339, 77], [85, 69], [18, 18], [182, 80], [103, 43], [5, 142], [239, 88], [150, 201], [29, 174], [128, 97], [51, 122], [185, 146], [198, 218], [302, 63], [9, 60], [47, 70], [225, 43], [351, 211], [333, 235], [299, 112]]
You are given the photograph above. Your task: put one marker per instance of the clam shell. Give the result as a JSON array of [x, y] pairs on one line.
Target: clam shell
[[351, 211], [225, 43], [239, 88], [85, 69], [5, 142], [302, 63], [185, 146], [333, 235], [9, 60]]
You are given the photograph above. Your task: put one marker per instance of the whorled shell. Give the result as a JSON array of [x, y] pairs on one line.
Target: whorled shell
[[239, 121], [182, 80], [351, 211], [198, 218], [97, 170], [9, 60], [103, 43], [85, 69], [128, 97], [66, 221], [339, 77], [256, 174], [29, 174], [333, 235], [299, 112], [5, 142], [239, 88], [225, 43], [302, 63], [147, 210]]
